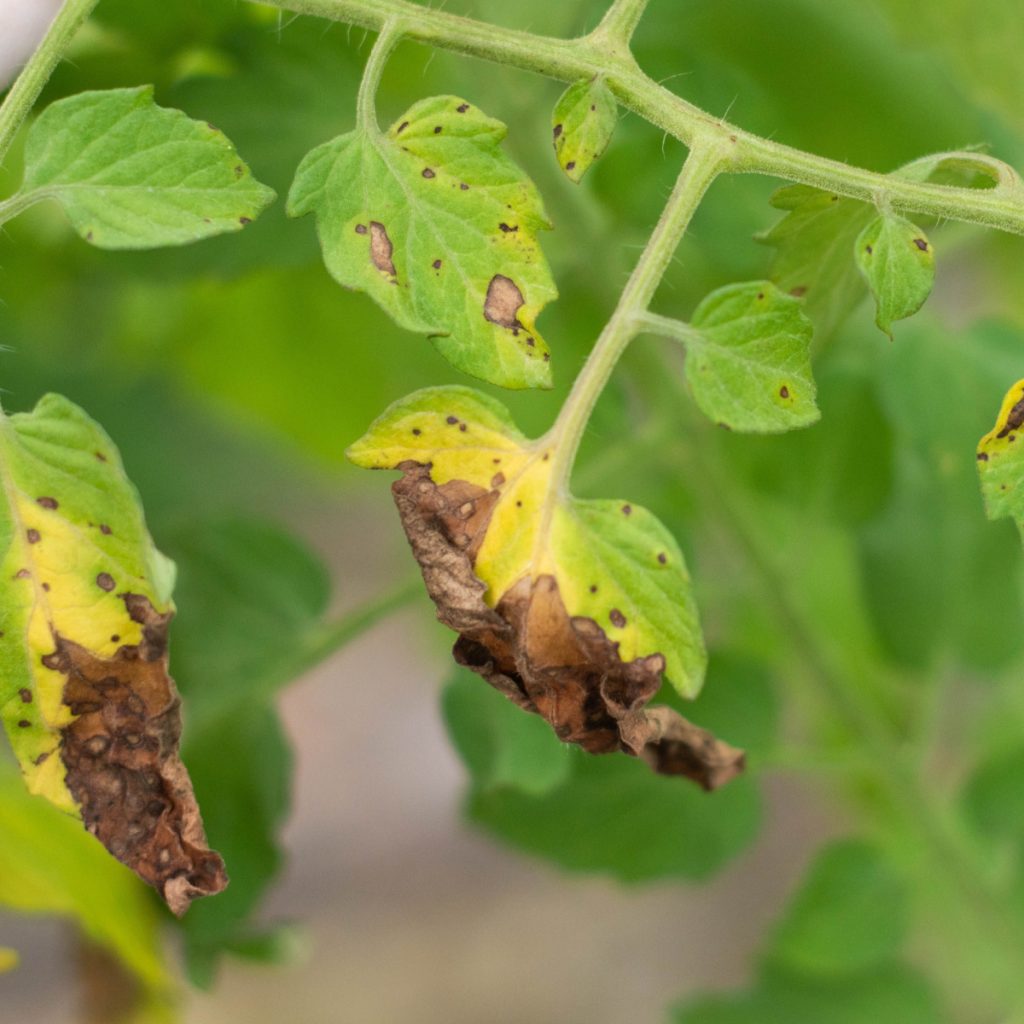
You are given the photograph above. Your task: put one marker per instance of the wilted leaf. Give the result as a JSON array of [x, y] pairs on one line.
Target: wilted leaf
[[50, 865], [132, 175], [91, 713], [440, 227], [748, 359], [573, 609], [848, 915], [1001, 462], [582, 124], [813, 243], [898, 264]]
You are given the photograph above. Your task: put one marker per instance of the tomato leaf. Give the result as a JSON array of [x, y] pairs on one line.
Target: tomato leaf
[[582, 124], [898, 264], [132, 175], [91, 713], [1001, 462], [439, 227], [573, 609]]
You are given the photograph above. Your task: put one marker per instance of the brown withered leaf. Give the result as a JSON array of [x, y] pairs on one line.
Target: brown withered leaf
[[120, 752], [561, 667]]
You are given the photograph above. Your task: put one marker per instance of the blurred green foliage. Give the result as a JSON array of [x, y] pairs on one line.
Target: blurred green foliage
[[234, 373]]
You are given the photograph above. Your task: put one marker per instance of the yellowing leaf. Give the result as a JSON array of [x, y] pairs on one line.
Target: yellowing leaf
[[572, 608], [439, 227], [85, 601], [1001, 460], [898, 264], [8, 959], [582, 124]]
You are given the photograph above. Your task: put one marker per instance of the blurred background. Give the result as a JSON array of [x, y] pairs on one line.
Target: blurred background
[[232, 375]]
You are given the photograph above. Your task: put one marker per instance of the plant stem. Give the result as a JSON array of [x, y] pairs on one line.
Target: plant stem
[[702, 166], [37, 71], [572, 59], [620, 21], [19, 202], [366, 108]]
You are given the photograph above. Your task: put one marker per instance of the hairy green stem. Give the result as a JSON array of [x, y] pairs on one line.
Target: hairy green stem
[[702, 166], [572, 59], [36, 73], [366, 109], [620, 21]]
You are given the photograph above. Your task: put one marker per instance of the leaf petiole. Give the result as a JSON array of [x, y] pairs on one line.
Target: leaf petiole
[[366, 110]]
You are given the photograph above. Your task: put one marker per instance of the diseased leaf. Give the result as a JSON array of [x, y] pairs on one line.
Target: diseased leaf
[[132, 175], [850, 914], [582, 124], [439, 227], [898, 264], [813, 243], [50, 865], [573, 609], [748, 359], [91, 713], [1001, 461]]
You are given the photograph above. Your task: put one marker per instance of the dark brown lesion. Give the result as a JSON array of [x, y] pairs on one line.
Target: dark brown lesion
[[529, 648], [1014, 419], [123, 768]]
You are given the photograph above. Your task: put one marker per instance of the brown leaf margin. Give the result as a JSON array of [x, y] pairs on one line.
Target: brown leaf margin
[[529, 648], [122, 765]]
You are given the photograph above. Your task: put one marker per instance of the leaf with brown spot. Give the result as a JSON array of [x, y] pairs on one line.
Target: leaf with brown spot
[[573, 609], [582, 124], [83, 632], [438, 226], [1001, 460]]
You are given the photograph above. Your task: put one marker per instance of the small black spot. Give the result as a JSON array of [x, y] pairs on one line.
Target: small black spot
[[593, 106], [464, 186], [531, 342], [462, 427], [416, 431], [24, 723], [557, 130], [593, 588], [868, 249], [105, 529], [662, 557], [436, 264], [114, 638], [546, 456], [451, 420], [101, 457], [627, 510], [402, 127], [497, 462], [437, 130], [760, 296], [46, 587], [570, 165], [428, 173], [783, 392], [105, 581], [33, 536], [506, 228], [1012, 437], [617, 618], [982, 456], [360, 229], [25, 694], [462, 108], [547, 357], [41, 758], [519, 504], [244, 220], [47, 502], [921, 244]]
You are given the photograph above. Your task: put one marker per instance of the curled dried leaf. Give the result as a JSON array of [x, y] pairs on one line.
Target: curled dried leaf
[[525, 592]]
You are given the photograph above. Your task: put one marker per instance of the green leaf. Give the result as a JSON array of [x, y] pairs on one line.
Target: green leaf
[[439, 227], [887, 995], [132, 175], [582, 124], [90, 711], [850, 914], [252, 601], [1001, 462], [813, 243], [50, 865], [748, 359], [898, 264], [613, 816], [994, 800], [499, 745]]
